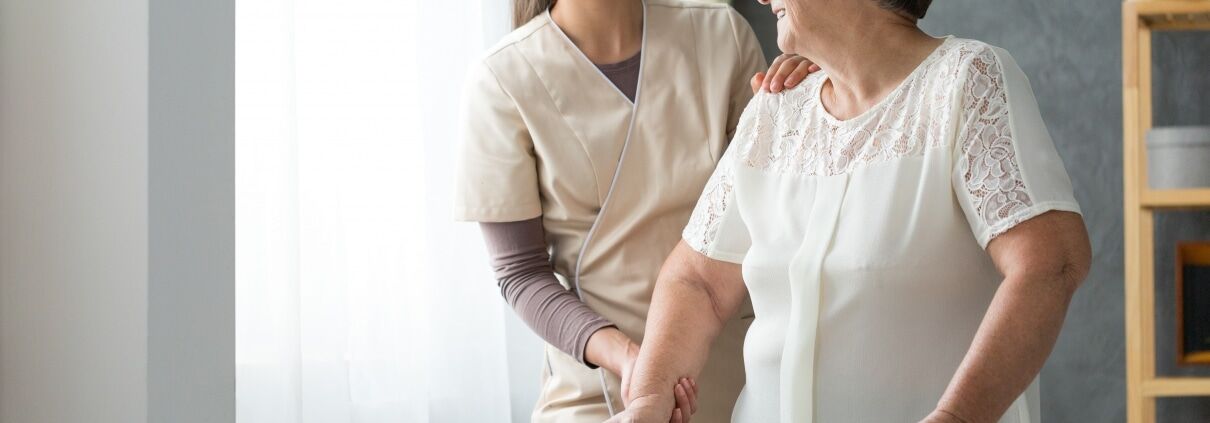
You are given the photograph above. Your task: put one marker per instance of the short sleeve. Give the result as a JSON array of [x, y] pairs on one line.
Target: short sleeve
[[751, 59], [1006, 169], [497, 176], [716, 229]]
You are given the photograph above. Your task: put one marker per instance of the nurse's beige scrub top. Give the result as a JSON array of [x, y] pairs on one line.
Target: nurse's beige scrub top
[[544, 133], [862, 241]]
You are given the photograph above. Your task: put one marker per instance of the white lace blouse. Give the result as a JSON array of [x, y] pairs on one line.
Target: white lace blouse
[[862, 241]]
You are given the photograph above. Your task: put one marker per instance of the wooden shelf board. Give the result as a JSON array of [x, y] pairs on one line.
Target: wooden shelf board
[[1163, 8], [1172, 15], [1176, 198], [1177, 387], [1200, 25]]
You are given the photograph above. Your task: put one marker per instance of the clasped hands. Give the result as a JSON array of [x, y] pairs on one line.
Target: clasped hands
[[615, 352]]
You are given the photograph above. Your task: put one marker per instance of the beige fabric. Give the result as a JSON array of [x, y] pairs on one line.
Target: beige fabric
[[544, 132]]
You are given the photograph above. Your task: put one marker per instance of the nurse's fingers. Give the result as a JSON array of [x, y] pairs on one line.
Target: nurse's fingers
[[792, 72], [771, 75], [799, 73], [677, 416], [692, 394], [780, 80], [756, 81], [682, 401], [690, 399]]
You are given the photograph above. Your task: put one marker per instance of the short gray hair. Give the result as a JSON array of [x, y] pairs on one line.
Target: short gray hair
[[913, 8]]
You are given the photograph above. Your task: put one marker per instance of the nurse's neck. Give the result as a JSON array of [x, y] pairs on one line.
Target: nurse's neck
[[607, 31]]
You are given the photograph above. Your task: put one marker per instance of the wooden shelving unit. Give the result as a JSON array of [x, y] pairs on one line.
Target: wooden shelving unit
[[1139, 19]]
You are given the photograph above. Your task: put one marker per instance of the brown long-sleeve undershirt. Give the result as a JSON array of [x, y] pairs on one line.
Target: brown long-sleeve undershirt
[[527, 282]]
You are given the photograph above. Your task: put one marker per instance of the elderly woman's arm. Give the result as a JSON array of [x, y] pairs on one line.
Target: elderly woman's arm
[[694, 296], [1043, 261]]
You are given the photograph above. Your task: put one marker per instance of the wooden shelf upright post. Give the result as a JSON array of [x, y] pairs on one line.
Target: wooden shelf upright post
[[1139, 19]]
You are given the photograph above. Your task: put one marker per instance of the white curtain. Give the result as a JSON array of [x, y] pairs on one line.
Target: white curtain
[[358, 300]]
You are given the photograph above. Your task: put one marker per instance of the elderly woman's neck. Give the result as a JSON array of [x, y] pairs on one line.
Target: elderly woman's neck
[[864, 65], [607, 31]]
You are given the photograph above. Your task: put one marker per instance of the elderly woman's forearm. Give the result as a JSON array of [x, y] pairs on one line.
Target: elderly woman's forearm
[[694, 295], [681, 325], [1010, 347]]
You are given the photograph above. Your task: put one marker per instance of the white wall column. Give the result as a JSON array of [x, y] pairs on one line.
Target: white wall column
[[116, 211], [73, 211]]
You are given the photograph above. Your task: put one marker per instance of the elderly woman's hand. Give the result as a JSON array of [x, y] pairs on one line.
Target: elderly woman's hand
[[787, 71], [940, 416], [615, 352], [651, 409]]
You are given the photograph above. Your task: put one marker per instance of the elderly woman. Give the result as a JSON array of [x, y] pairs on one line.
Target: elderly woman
[[903, 225]]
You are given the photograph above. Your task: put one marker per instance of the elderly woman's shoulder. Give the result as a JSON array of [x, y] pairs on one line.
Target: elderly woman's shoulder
[[967, 52], [805, 89], [966, 61], [770, 105]]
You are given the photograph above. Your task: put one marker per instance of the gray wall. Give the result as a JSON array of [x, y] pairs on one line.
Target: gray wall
[[1071, 51], [191, 200]]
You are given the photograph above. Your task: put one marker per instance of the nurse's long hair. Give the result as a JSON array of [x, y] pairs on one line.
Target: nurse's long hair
[[525, 10]]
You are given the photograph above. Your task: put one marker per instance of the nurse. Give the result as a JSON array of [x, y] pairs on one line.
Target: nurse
[[591, 129]]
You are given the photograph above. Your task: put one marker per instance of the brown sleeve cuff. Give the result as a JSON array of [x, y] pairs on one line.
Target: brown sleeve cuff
[[582, 335]]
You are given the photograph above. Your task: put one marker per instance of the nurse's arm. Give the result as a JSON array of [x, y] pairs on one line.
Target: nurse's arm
[[694, 296], [1043, 261]]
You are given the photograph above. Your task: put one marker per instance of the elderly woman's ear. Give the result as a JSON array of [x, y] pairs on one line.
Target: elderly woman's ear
[[787, 71]]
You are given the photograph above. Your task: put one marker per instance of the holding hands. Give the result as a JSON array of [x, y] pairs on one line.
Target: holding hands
[[614, 351], [678, 407]]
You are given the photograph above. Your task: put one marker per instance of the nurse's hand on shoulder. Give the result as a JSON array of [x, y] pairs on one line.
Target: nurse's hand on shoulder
[[787, 71]]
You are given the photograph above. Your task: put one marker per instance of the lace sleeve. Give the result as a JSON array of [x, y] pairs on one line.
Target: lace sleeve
[[713, 206], [716, 228], [1007, 169]]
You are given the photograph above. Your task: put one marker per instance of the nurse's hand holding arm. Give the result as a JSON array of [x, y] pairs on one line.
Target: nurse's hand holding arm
[[694, 296], [613, 350], [521, 260], [1043, 261]]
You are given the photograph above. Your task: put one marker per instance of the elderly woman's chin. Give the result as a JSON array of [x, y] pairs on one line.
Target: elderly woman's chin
[[784, 44], [786, 40]]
